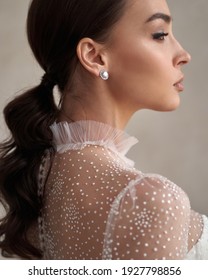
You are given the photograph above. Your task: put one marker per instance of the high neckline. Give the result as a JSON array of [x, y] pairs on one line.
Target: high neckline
[[76, 134]]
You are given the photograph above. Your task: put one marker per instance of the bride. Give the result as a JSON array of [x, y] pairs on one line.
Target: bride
[[68, 188]]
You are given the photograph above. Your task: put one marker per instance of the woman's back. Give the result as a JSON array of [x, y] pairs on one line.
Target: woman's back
[[82, 185]]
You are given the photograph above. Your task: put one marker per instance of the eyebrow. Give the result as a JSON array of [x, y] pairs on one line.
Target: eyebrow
[[162, 16]]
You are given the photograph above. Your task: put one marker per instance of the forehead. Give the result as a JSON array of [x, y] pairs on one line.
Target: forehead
[[142, 10]]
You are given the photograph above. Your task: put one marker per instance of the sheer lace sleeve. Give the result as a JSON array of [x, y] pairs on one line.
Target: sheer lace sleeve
[[148, 220]]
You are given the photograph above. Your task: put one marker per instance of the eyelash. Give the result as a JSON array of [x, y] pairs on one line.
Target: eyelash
[[159, 36]]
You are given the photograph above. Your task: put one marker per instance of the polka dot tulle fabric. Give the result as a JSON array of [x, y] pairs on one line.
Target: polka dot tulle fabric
[[98, 206]]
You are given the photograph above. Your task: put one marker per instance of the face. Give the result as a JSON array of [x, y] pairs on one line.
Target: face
[[145, 59]]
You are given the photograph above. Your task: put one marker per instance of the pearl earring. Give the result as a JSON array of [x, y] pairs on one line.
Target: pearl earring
[[104, 75]]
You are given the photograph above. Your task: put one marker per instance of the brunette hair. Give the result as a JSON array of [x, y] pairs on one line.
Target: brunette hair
[[54, 28]]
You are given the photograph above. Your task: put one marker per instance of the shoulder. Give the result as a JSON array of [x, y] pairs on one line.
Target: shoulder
[[156, 188], [149, 219], [154, 195]]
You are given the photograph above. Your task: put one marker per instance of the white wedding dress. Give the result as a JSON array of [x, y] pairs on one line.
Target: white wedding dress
[[98, 206]]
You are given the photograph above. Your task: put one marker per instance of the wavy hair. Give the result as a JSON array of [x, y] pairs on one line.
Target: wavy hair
[[54, 28]]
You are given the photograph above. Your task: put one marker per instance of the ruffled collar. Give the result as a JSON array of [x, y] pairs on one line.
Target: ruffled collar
[[76, 135]]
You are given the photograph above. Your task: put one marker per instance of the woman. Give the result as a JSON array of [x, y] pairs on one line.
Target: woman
[[68, 188]]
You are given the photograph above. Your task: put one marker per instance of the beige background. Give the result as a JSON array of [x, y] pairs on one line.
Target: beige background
[[172, 144]]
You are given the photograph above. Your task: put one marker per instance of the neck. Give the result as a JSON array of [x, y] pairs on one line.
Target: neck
[[98, 105]]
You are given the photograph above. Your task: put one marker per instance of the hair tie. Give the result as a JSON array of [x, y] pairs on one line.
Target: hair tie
[[47, 82]]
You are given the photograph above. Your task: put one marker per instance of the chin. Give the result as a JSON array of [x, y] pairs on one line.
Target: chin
[[168, 106], [173, 103]]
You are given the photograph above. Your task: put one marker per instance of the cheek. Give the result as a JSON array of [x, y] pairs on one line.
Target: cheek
[[127, 61], [143, 78], [138, 64]]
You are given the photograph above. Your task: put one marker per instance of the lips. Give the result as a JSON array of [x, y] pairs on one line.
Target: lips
[[179, 85]]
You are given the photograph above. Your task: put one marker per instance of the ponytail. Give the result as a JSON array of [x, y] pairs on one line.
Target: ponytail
[[54, 29], [28, 117]]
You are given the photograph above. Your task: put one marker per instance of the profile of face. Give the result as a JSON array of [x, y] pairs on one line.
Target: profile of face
[[144, 59]]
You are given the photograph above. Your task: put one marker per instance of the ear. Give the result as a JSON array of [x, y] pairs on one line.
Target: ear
[[92, 56]]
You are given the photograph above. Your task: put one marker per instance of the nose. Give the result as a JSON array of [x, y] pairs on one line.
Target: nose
[[181, 57]]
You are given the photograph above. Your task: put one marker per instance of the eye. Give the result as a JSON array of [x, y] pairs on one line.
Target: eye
[[159, 36]]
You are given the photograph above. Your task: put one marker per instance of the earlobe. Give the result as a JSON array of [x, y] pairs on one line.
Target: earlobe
[[90, 56]]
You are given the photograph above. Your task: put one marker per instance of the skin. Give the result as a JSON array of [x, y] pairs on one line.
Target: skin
[[145, 68]]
